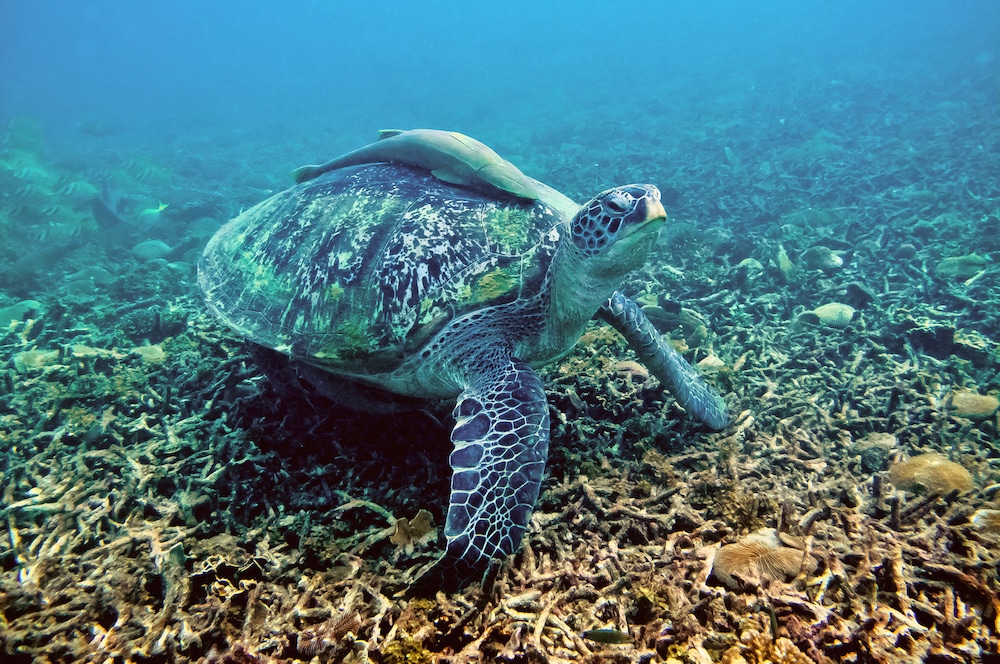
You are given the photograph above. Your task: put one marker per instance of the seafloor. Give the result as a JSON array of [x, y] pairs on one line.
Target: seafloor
[[163, 500]]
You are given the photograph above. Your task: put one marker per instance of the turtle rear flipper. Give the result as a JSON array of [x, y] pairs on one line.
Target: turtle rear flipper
[[679, 377], [501, 439]]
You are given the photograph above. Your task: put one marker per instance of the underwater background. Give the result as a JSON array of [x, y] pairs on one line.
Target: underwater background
[[831, 263]]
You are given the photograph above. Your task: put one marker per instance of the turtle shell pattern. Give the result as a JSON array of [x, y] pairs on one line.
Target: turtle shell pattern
[[357, 269]]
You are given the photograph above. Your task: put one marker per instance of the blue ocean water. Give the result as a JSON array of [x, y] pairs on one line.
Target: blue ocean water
[[296, 69]]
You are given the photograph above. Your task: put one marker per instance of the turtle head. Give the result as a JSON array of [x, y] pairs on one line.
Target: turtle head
[[614, 230]]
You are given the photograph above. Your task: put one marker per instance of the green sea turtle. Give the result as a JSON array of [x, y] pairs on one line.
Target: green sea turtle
[[448, 155], [387, 277]]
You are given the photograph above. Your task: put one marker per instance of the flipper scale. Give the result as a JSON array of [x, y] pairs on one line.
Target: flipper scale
[[501, 439]]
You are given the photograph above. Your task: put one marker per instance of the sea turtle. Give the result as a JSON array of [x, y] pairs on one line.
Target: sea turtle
[[387, 277]]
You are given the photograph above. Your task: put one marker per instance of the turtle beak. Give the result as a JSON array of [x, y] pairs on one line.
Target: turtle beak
[[655, 211], [654, 218]]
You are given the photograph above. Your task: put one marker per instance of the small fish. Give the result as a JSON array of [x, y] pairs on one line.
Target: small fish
[[152, 214], [29, 190], [607, 635], [153, 211], [785, 264], [78, 190], [61, 231], [56, 211], [22, 211], [95, 127], [33, 172], [143, 170]]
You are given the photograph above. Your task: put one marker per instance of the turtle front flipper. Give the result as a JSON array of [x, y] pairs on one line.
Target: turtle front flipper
[[666, 363], [501, 439]]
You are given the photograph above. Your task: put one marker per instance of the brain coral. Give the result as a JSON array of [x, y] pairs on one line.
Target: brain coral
[[975, 406]]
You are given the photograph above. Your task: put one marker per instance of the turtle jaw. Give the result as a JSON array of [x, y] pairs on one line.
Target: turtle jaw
[[632, 246], [654, 212], [654, 220]]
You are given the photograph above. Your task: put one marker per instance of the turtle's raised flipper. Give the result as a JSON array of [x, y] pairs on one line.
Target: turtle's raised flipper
[[666, 363], [501, 440]]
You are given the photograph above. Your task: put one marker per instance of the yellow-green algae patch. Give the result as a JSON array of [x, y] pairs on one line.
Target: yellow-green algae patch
[[493, 284], [509, 228]]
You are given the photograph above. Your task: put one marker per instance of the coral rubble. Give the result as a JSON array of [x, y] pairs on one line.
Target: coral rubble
[[170, 494]]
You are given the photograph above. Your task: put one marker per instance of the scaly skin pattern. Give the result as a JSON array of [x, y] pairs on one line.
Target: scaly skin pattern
[[501, 439]]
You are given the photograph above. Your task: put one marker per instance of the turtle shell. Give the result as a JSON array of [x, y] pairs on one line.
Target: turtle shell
[[357, 269]]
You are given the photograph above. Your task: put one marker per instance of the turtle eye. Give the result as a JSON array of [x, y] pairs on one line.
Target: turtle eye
[[616, 205]]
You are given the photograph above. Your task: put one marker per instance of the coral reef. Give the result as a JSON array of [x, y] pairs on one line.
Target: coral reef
[[821, 258], [756, 648], [960, 267]]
